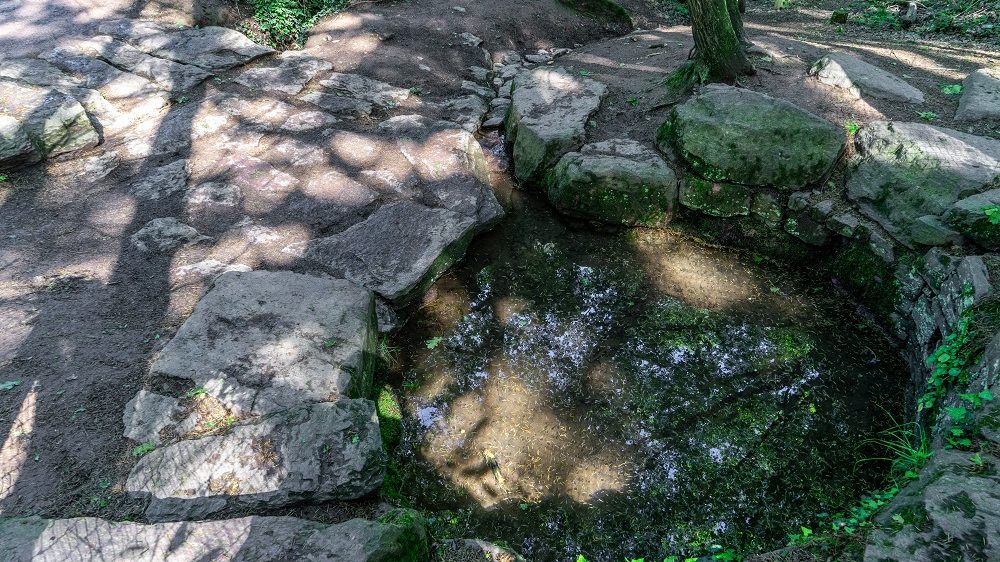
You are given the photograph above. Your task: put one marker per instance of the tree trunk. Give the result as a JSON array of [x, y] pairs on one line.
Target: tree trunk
[[718, 38]]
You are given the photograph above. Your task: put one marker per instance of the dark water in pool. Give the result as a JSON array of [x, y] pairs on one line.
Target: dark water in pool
[[633, 395]]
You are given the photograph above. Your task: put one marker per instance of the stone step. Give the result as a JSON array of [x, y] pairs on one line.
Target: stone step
[[211, 48], [398, 535], [262, 342], [319, 452], [549, 110], [844, 70]]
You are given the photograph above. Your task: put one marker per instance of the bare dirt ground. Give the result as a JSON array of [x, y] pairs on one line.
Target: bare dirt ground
[[81, 313]]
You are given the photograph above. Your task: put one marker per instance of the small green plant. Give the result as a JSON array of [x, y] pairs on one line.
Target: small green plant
[[951, 89], [686, 77], [927, 115], [586, 73], [950, 360], [143, 449], [907, 446], [285, 22], [330, 342], [992, 212], [196, 392], [633, 101], [3, 178], [852, 127], [434, 342]]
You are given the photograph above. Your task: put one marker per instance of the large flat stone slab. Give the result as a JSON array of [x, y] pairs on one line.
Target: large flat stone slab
[[399, 535], [364, 88], [906, 171], [399, 249], [619, 181], [320, 452], [844, 70], [54, 122], [262, 342], [211, 48], [166, 74], [733, 135], [547, 117], [980, 96]]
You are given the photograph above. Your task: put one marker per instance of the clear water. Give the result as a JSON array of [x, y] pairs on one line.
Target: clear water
[[633, 395]]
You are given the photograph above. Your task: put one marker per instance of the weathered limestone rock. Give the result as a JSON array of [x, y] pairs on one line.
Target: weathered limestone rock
[[548, 113], [467, 111], [719, 199], [163, 181], [906, 171], [53, 122], [324, 451], [972, 217], [15, 146], [399, 249], [364, 88], [166, 74], [980, 96], [951, 513], [619, 181], [399, 536], [735, 135], [843, 70], [164, 234], [262, 342], [146, 414], [437, 150], [212, 48], [288, 74], [339, 105]]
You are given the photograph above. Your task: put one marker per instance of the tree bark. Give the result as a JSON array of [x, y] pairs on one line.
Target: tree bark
[[718, 38]]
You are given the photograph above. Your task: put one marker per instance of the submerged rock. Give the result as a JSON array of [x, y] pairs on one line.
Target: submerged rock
[[980, 96], [548, 113], [906, 171], [734, 135], [843, 70], [319, 452], [399, 535], [618, 181]]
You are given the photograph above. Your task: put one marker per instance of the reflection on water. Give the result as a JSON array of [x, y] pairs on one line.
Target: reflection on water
[[586, 397]]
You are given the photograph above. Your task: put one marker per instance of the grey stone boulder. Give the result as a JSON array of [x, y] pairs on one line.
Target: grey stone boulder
[[618, 181], [905, 171], [364, 88], [547, 117], [261, 342], [53, 122], [287, 73], [844, 70], [398, 536], [168, 75], [469, 550], [728, 134], [320, 452], [467, 111], [718, 199], [211, 48], [165, 234], [15, 146], [980, 96], [397, 251], [952, 512], [970, 217]]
